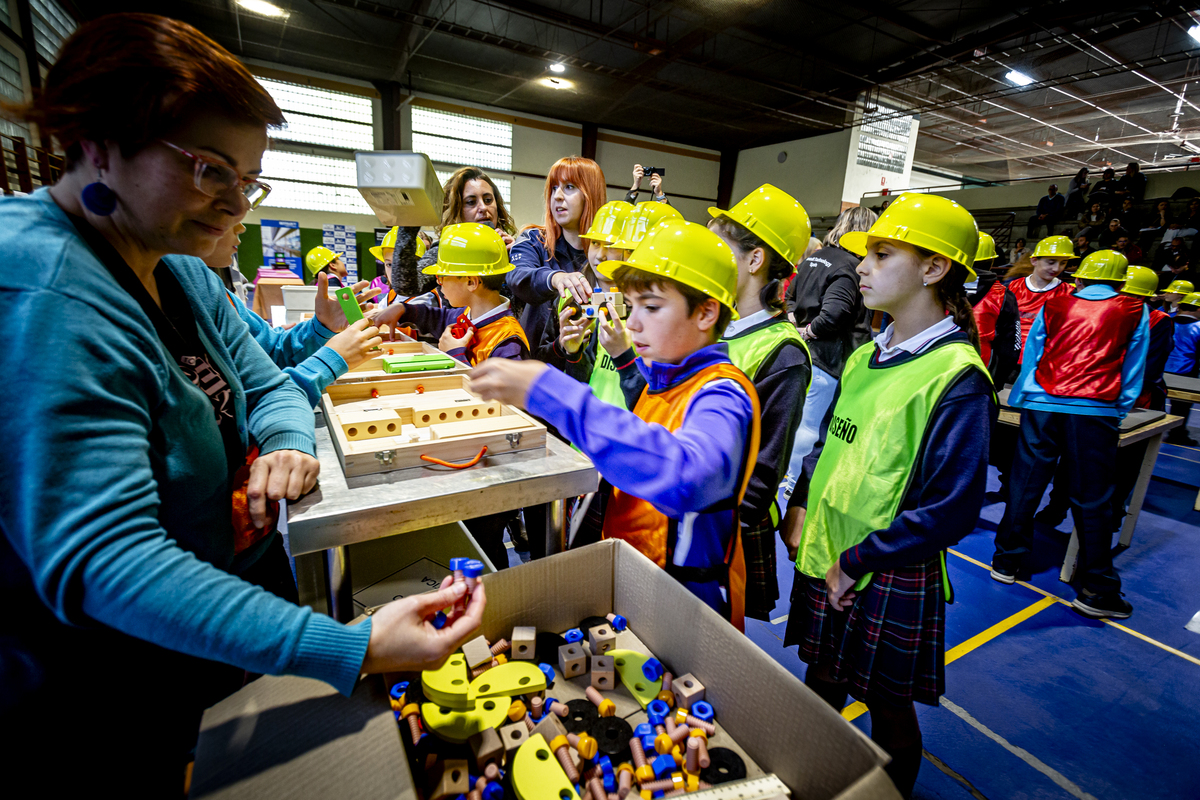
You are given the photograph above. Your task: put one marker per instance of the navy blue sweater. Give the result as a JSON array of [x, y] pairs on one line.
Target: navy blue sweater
[[529, 281]]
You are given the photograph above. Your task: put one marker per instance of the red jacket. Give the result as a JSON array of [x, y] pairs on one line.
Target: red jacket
[[1085, 344], [1030, 302], [986, 313]]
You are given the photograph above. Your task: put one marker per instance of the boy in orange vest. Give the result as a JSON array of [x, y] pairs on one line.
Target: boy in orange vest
[[479, 323], [680, 461]]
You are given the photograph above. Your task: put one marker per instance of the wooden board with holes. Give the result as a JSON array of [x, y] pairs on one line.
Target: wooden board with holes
[[385, 425], [372, 368]]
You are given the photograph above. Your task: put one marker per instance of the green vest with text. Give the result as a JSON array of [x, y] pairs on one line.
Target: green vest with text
[[605, 380], [871, 447]]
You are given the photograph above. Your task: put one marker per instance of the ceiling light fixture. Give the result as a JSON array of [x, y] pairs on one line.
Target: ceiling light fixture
[[556, 83], [264, 8], [1194, 32], [1019, 78], [557, 68]]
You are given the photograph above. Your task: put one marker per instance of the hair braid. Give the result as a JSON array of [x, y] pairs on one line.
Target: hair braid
[[952, 294]]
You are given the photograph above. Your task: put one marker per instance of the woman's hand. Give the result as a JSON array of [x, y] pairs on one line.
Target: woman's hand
[[572, 333], [447, 342], [355, 343], [404, 640], [572, 284], [638, 175], [838, 584], [506, 238], [506, 380], [614, 338], [656, 184], [792, 529], [329, 311], [279, 475]]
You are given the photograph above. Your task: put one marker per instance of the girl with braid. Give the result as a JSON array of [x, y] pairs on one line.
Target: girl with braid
[[898, 476], [768, 232]]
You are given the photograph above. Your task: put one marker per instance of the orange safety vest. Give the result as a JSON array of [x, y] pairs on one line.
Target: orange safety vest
[[638, 522], [492, 335]]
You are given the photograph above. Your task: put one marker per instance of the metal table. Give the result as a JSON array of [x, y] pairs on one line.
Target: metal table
[[1151, 433], [342, 512], [1181, 387]]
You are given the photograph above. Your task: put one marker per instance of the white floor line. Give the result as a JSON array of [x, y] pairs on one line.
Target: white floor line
[[1194, 624], [1026, 756]]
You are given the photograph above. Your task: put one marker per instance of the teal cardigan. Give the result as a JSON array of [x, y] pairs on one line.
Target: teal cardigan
[[114, 486]]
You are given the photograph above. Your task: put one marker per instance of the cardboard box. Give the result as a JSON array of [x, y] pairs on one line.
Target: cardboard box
[[285, 737]]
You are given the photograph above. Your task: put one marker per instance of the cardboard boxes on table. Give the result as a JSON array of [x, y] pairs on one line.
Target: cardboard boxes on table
[[285, 737]]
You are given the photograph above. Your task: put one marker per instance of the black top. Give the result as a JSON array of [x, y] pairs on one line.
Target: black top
[[825, 296]]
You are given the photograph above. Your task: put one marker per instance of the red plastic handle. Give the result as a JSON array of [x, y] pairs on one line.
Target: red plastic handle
[[451, 465]]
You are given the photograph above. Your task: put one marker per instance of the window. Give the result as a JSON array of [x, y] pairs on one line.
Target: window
[[883, 143], [336, 123], [11, 89], [461, 141], [51, 26], [5, 16]]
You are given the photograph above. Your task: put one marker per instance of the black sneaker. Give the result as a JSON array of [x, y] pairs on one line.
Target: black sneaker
[[1004, 574], [1102, 606]]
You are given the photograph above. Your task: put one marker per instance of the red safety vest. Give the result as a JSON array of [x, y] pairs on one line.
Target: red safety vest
[[1029, 303], [649, 530], [986, 313], [1156, 317], [1086, 341]]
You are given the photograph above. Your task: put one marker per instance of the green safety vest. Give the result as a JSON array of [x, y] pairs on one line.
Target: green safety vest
[[748, 352], [605, 380], [873, 442]]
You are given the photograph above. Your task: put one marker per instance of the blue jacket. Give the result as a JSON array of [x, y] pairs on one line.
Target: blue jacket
[[1187, 336], [299, 351], [115, 486], [1028, 393], [529, 281]]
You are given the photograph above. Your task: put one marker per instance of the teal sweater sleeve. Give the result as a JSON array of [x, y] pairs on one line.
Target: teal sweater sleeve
[[114, 489], [300, 351]]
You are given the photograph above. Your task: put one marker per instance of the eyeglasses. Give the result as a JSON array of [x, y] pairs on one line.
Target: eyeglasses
[[213, 177]]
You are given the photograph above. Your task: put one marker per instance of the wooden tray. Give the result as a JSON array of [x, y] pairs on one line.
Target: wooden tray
[[373, 434], [372, 369]]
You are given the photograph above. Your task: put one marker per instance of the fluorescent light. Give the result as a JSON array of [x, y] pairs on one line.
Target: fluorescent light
[[1194, 32], [1019, 78], [557, 68], [556, 83], [264, 8]]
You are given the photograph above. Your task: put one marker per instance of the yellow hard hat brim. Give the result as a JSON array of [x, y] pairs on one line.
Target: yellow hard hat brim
[[467, 270], [856, 243], [614, 268], [376, 251]]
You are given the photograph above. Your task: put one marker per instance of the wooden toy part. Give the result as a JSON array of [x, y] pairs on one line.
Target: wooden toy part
[[477, 652], [451, 781], [687, 690], [603, 673], [537, 775], [370, 424], [628, 664], [434, 413], [602, 639], [471, 427], [549, 727], [459, 726], [508, 680], [571, 660], [512, 737], [524, 643], [448, 685], [487, 748]]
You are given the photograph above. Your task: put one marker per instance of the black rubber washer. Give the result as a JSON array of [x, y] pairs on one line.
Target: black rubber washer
[[546, 648], [612, 734], [587, 623], [725, 766], [582, 716]]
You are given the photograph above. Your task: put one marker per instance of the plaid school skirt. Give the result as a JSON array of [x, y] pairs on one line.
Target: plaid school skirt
[[890, 645]]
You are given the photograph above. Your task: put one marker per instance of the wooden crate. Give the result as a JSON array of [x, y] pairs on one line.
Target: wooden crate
[[372, 369], [373, 434]]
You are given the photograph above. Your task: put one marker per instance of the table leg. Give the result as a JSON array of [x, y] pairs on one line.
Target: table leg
[[1068, 568], [1139, 489], [556, 527], [337, 571], [311, 581]]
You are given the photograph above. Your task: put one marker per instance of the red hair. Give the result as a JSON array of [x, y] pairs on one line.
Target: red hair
[[587, 175], [130, 78]]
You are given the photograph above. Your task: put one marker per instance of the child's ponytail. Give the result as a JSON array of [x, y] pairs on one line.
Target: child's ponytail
[[952, 294], [778, 268]]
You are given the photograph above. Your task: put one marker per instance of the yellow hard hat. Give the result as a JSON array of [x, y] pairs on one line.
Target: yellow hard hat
[[470, 248], [644, 217], [1140, 281], [926, 221], [1103, 265], [688, 253], [1191, 299], [389, 240], [1180, 287], [987, 247], [318, 258], [1054, 247], [774, 216], [609, 222]]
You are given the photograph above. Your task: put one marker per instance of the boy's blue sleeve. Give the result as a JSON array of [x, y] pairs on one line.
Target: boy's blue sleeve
[[530, 277], [287, 348], [1034, 345], [688, 470], [1133, 369], [316, 372], [428, 319]]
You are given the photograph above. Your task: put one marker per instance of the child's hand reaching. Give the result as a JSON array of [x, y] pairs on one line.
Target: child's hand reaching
[[448, 342], [614, 338], [572, 333], [354, 343]]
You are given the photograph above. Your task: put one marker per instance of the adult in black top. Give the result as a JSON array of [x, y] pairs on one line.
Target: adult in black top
[[1049, 212], [1006, 346], [824, 298], [1132, 183], [1105, 190]]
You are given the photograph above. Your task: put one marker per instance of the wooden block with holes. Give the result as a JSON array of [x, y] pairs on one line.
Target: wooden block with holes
[[477, 652], [571, 660], [424, 416], [603, 673], [524, 643], [687, 690], [487, 748], [601, 639], [449, 779], [513, 736]]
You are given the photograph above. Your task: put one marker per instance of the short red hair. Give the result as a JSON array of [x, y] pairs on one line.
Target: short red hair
[[130, 78], [587, 175]]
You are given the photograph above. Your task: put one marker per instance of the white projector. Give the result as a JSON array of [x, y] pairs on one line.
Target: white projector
[[401, 187]]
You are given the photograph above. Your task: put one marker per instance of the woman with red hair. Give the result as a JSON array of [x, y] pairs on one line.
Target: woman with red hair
[[550, 260]]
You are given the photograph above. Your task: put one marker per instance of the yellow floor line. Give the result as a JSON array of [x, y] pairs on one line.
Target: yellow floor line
[[856, 709], [1116, 625]]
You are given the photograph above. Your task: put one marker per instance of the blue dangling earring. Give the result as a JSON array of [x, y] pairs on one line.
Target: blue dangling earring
[[98, 198]]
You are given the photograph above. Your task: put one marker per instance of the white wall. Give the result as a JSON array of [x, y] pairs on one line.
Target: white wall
[[814, 171]]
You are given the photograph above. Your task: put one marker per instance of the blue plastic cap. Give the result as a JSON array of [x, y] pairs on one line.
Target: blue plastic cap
[[548, 671], [648, 743], [473, 568], [619, 623], [439, 620], [663, 765], [398, 690], [702, 710], [653, 669], [645, 729], [457, 564], [493, 791], [610, 782], [605, 764], [655, 719], [658, 707], [573, 636]]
